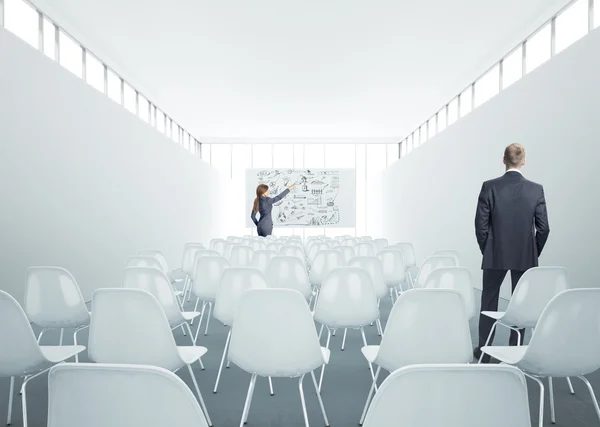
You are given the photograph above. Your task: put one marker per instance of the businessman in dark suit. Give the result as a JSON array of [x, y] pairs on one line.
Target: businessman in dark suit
[[511, 225]]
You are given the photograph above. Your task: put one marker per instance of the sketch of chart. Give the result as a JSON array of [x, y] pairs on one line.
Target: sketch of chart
[[321, 197]]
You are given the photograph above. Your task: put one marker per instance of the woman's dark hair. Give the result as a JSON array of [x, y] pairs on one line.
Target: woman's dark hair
[[260, 191]]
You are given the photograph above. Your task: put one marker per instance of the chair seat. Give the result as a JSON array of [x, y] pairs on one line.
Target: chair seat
[[58, 353], [189, 354], [496, 315], [507, 354], [370, 352], [178, 293], [326, 354], [189, 315]]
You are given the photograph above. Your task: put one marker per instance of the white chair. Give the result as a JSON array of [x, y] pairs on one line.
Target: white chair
[[207, 279], [452, 396], [262, 258], [425, 326], [295, 251], [449, 252], [565, 343], [347, 253], [430, 264], [144, 261], [372, 265], [234, 239], [323, 263], [162, 260], [394, 271], [458, 278], [274, 336], [157, 283], [289, 272], [350, 242], [145, 338], [21, 355], [218, 245], [229, 247], [187, 265], [410, 261], [258, 245], [315, 249], [241, 256], [100, 395], [364, 249], [347, 300], [234, 282], [366, 238], [53, 300], [381, 243], [274, 247]]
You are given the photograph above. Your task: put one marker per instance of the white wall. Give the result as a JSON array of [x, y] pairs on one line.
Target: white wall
[[84, 184], [554, 113]]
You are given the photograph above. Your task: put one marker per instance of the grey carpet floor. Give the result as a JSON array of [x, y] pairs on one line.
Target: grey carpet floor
[[345, 387]]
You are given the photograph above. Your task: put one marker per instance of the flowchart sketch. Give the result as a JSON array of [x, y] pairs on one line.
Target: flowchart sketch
[[321, 197]]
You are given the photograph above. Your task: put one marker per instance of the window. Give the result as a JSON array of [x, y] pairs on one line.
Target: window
[[512, 67], [241, 159], [432, 123], [186, 139], [422, 134], [283, 155], [596, 15], [262, 155], [70, 54], [168, 127], [340, 156], [114, 86], [22, 20], [298, 156], [403, 148], [144, 108], [49, 34], [94, 72], [376, 165], [487, 86], [466, 101], [160, 121], [416, 138], [361, 189], [571, 25], [453, 111], [538, 49], [221, 159], [442, 119], [393, 153], [205, 152], [175, 133], [314, 156], [409, 145], [152, 118], [129, 98]]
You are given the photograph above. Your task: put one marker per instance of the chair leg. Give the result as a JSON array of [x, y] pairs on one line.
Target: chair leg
[[271, 387], [208, 318], [541, 384], [62, 332], [75, 343], [41, 333], [183, 330], [379, 328], [186, 324], [200, 321], [323, 367], [24, 401], [314, 380], [344, 339], [488, 340], [303, 401], [246, 411], [202, 405], [364, 338], [11, 393], [551, 395], [195, 308], [570, 385], [364, 414], [321, 332], [592, 394], [222, 360]]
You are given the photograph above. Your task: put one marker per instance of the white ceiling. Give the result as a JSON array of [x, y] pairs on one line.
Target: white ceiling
[[300, 69]]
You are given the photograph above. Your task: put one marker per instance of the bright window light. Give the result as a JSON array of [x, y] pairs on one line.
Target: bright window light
[[453, 111], [129, 98], [512, 67], [571, 25], [70, 54], [94, 72], [144, 108], [432, 123], [538, 49], [487, 86], [22, 20], [114, 86], [442, 119], [314, 156], [262, 155], [49, 34], [466, 101]]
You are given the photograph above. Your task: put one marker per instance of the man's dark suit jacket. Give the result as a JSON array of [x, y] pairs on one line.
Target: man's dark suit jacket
[[511, 223]]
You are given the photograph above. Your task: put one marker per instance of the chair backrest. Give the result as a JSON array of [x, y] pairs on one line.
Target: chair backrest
[[365, 238], [234, 282], [229, 247], [159, 256], [20, 350], [247, 241], [430, 264], [202, 254], [315, 249], [347, 299], [452, 396], [189, 252], [532, 294], [373, 266], [241, 256], [274, 334], [144, 261], [347, 253], [288, 272], [258, 245], [234, 239], [439, 315], [209, 271], [408, 254], [324, 262], [218, 245], [394, 270], [566, 340], [351, 242], [273, 246], [53, 298], [449, 252], [289, 250], [262, 258], [381, 243], [364, 249], [100, 395], [458, 278], [157, 283], [129, 326]]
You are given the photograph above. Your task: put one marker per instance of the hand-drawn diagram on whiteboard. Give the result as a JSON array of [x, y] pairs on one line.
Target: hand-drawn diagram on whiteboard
[[321, 197]]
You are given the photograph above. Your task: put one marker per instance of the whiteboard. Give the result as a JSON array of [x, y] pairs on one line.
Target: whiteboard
[[321, 198]]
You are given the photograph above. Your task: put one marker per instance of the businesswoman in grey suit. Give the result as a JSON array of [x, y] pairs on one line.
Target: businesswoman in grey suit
[[263, 204]]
